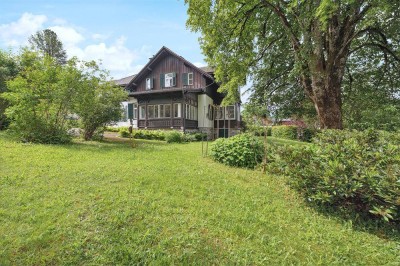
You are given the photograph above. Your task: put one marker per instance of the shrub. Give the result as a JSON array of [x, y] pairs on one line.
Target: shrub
[[347, 169], [293, 133], [124, 132], [243, 150], [260, 130], [306, 134], [149, 134], [112, 129], [284, 132], [174, 137]]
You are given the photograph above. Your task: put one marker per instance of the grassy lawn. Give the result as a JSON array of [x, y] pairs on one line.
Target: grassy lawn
[[108, 203]]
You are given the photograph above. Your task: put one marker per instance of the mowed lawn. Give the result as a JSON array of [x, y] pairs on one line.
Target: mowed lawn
[[108, 203]]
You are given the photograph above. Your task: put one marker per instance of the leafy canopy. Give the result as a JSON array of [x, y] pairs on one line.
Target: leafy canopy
[[47, 42], [296, 49]]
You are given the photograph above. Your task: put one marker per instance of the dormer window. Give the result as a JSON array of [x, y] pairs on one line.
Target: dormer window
[[149, 83]]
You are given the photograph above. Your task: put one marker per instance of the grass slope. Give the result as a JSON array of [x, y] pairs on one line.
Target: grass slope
[[106, 203]]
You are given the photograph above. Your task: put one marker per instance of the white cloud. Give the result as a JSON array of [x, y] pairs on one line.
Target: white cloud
[[17, 33], [115, 56], [100, 37], [68, 35]]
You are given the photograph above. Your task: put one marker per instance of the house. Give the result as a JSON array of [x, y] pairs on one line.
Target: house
[[172, 93]]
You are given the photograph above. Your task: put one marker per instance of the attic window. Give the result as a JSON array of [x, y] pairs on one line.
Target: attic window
[[149, 83], [187, 78], [170, 80]]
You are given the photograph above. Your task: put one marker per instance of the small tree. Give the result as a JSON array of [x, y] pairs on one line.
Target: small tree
[[40, 98], [47, 42], [99, 101]]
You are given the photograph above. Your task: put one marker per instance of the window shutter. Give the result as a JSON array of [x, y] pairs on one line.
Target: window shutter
[[185, 79], [151, 83], [130, 111], [174, 79], [162, 80]]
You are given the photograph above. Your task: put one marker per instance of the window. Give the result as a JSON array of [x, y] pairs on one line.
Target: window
[[135, 108], [187, 78], [149, 83], [190, 78], [167, 110], [227, 112], [190, 112], [219, 113], [230, 112], [132, 111], [177, 110], [142, 112], [169, 80], [150, 111]]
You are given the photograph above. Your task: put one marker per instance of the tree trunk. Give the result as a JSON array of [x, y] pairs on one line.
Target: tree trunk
[[325, 92], [329, 109], [88, 134]]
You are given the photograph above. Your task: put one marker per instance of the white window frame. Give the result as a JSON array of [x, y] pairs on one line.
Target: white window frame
[[234, 112], [135, 109], [190, 78], [148, 84], [169, 80], [178, 107], [142, 112]]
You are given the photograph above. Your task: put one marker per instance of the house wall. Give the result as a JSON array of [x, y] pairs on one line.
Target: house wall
[[171, 64], [125, 121]]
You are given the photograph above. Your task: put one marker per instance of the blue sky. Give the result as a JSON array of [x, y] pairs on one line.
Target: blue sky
[[122, 33]]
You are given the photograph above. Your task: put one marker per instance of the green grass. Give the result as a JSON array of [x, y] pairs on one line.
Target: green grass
[[108, 203]]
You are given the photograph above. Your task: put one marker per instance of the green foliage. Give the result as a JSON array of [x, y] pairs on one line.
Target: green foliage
[[8, 70], [45, 94], [169, 136], [285, 132], [149, 134], [259, 130], [123, 132], [293, 133], [243, 150], [292, 49], [99, 101], [40, 98], [346, 169], [174, 137], [47, 42], [113, 129]]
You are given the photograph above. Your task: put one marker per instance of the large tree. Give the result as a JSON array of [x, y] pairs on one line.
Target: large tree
[[47, 42], [294, 44]]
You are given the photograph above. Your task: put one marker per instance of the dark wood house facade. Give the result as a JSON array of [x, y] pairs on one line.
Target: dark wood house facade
[[172, 93]]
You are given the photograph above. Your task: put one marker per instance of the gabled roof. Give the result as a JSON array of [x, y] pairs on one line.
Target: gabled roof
[[162, 52], [124, 81]]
